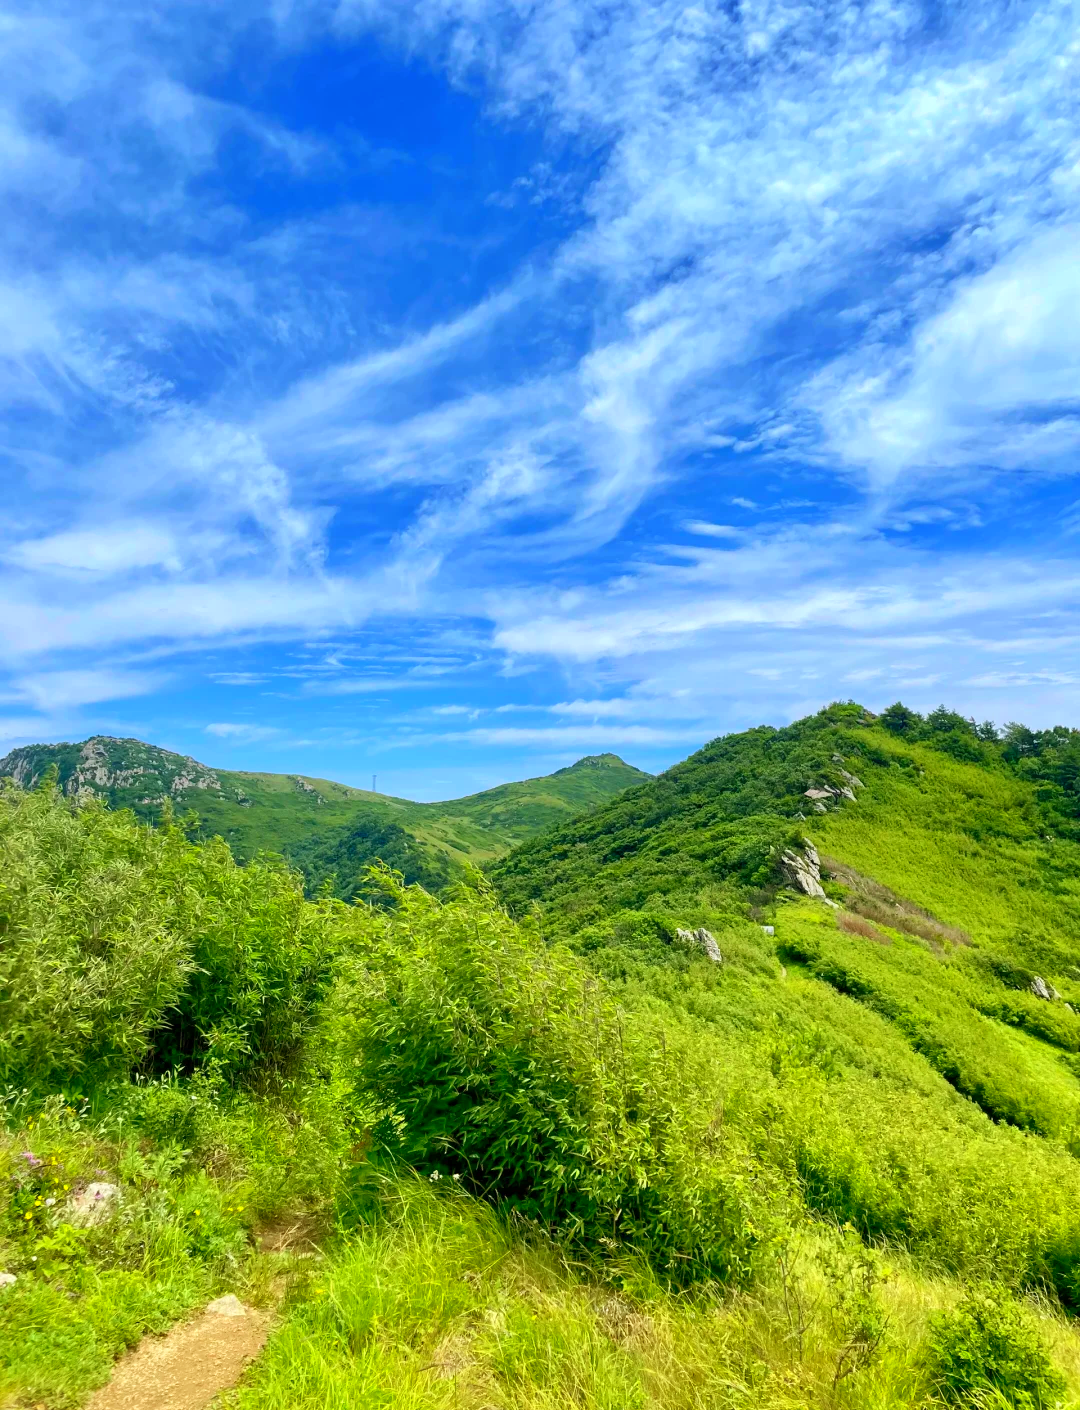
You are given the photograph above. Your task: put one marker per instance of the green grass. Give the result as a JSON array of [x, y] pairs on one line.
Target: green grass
[[890, 1056], [438, 1305], [84, 1295], [567, 1161]]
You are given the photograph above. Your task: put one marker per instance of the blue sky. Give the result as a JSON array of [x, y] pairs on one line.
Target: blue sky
[[448, 389]]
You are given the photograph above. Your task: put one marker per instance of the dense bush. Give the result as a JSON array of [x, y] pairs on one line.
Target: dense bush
[[125, 945], [488, 1059], [990, 1343], [1049, 758]]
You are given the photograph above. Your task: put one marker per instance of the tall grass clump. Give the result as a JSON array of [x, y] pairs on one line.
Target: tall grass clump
[[487, 1059]]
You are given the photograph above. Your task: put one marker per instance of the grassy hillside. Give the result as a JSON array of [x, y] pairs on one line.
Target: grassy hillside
[[570, 1159], [914, 987], [323, 826]]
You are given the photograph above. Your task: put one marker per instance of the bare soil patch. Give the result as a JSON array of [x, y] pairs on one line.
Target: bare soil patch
[[876, 903], [187, 1367]]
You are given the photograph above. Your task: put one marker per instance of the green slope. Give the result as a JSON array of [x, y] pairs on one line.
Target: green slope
[[855, 1137], [923, 1070], [324, 826]]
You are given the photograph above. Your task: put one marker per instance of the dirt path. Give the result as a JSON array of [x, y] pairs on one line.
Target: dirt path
[[186, 1368]]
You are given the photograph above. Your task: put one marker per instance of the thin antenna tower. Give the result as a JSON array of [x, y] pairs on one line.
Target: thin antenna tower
[[373, 788]]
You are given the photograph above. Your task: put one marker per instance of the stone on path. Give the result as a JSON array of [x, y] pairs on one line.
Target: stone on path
[[227, 1306]]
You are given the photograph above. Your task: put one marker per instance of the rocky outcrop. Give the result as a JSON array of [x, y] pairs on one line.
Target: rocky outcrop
[[1042, 990], [18, 766], [95, 773], [114, 769], [305, 787], [92, 772], [802, 870], [194, 775], [701, 939], [822, 796]]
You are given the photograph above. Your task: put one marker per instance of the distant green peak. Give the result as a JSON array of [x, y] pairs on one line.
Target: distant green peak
[[600, 761]]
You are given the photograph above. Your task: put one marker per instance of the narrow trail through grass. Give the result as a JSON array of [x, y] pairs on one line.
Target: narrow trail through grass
[[190, 1365]]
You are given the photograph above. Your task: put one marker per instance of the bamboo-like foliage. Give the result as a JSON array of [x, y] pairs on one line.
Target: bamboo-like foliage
[[123, 945], [505, 1065]]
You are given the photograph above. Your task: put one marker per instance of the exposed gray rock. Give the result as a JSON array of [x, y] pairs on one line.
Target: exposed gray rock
[[194, 776], [702, 939], [827, 793], [103, 764], [1042, 990], [803, 870], [7, 1279], [92, 1205], [852, 779], [769, 929], [305, 787]]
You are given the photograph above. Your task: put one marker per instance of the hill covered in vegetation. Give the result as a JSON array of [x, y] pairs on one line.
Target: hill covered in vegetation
[[324, 828], [755, 1087], [947, 872]]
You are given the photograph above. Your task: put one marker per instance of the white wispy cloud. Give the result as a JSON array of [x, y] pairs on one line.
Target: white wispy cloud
[[561, 737], [801, 239], [61, 691], [240, 733], [988, 381], [711, 531], [107, 549]]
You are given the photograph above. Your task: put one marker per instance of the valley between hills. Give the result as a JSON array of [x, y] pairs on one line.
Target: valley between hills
[[326, 829]]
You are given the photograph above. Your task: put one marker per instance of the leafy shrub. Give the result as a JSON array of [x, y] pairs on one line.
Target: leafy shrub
[[490, 1060], [989, 1343], [121, 944], [166, 1113], [262, 962]]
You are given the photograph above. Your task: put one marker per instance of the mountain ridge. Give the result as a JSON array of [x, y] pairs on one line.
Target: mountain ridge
[[308, 818]]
